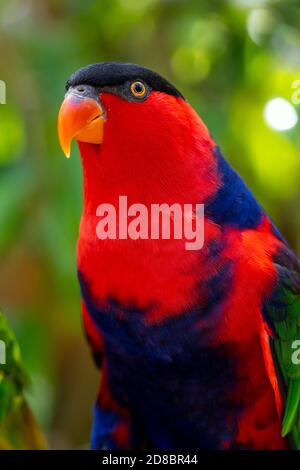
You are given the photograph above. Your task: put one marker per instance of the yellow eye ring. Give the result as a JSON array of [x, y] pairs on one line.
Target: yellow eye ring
[[138, 89]]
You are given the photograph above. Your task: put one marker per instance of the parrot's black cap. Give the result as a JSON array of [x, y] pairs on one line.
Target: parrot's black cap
[[107, 74]]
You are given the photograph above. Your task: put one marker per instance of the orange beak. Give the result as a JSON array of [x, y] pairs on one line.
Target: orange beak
[[81, 118]]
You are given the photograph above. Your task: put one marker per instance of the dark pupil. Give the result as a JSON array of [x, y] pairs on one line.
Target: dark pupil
[[138, 88]]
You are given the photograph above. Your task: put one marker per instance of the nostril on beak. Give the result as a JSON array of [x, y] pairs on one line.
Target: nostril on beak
[[83, 91]]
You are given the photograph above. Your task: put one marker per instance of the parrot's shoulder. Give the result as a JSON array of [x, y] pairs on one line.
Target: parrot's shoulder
[[233, 204]]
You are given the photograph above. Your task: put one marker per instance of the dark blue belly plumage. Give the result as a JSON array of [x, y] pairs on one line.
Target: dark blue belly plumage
[[175, 385]]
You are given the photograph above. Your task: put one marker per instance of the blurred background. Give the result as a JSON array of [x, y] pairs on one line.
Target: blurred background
[[237, 62]]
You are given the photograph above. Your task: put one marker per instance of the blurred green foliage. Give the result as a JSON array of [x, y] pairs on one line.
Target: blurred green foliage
[[18, 427], [229, 58]]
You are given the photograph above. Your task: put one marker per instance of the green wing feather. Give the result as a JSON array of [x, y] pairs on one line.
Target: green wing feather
[[18, 427], [283, 312]]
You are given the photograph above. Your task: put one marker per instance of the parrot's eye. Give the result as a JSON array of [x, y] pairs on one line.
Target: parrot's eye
[[138, 89]]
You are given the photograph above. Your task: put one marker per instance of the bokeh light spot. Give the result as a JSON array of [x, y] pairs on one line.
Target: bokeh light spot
[[280, 115], [190, 65], [260, 22]]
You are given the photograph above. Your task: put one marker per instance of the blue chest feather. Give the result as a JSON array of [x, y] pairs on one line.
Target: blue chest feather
[[174, 383]]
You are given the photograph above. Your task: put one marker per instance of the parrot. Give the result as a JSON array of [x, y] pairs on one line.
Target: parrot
[[18, 426], [197, 349]]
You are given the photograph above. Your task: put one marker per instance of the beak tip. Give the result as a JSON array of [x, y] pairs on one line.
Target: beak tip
[[66, 148]]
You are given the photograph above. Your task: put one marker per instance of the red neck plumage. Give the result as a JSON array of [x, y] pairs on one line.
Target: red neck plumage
[[158, 152]]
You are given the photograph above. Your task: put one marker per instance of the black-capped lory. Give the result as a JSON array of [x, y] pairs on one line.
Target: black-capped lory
[[198, 347]]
